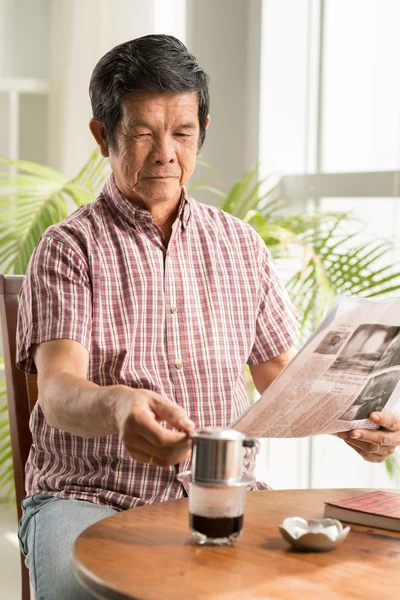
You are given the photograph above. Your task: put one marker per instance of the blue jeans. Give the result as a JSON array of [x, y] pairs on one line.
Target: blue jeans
[[48, 529]]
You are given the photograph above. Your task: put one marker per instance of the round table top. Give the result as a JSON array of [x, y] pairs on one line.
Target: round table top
[[148, 553]]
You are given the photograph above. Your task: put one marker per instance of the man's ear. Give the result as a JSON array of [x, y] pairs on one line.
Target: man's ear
[[99, 134], [208, 120]]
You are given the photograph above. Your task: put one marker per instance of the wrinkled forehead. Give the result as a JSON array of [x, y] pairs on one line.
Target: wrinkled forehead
[[152, 107]]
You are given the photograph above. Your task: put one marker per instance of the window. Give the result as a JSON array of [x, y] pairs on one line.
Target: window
[[330, 120]]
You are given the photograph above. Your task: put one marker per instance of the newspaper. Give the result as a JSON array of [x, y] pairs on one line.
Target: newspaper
[[349, 368]]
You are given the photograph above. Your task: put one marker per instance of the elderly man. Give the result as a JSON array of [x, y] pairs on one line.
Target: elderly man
[[138, 313]]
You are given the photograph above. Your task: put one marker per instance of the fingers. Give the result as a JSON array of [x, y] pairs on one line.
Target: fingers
[[151, 459], [155, 460], [375, 445], [371, 452], [378, 437], [147, 412], [386, 436], [144, 436], [147, 426], [378, 456], [142, 457], [144, 422], [141, 450], [172, 413], [387, 420]]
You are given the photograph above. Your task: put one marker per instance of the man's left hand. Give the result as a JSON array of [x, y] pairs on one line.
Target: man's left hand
[[375, 445]]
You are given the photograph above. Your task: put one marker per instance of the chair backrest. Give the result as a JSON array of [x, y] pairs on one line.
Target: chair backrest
[[22, 394], [21, 389]]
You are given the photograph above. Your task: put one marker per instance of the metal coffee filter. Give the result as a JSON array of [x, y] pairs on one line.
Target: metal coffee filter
[[218, 455]]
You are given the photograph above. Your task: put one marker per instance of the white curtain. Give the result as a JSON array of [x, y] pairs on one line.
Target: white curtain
[[80, 33]]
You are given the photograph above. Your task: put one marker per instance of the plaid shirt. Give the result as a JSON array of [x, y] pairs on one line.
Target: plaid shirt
[[181, 320]]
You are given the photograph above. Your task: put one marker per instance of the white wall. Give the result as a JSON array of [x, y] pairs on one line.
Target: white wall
[[63, 39], [224, 35], [24, 38], [24, 52], [80, 34]]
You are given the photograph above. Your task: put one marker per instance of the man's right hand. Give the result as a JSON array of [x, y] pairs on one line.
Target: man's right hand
[[139, 414], [72, 403]]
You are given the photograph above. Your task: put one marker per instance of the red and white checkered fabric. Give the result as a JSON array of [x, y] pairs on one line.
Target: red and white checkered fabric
[[181, 320]]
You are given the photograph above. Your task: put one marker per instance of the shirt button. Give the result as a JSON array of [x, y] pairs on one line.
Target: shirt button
[[140, 217], [173, 309], [179, 365]]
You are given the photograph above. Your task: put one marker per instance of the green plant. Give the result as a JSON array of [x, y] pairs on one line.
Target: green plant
[[6, 471], [33, 197], [333, 259]]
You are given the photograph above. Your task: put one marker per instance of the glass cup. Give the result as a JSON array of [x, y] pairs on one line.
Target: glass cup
[[216, 513]]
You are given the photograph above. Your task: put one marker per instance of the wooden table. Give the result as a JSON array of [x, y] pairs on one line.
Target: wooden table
[[147, 553]]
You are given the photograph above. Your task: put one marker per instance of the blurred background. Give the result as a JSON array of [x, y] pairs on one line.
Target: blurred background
[[305, 92]]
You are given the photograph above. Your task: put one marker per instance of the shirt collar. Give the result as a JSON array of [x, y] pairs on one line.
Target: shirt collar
[[131, 213]]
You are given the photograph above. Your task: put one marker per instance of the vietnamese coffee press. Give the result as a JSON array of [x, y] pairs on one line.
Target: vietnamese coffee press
[[217, 485]]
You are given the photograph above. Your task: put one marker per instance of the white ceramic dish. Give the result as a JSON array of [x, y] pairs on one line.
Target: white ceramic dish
[[321, 535]]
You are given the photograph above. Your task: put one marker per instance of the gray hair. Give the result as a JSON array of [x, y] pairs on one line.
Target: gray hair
[[158, 63]]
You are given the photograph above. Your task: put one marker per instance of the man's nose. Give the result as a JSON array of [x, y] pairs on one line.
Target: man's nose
[[164, 151]]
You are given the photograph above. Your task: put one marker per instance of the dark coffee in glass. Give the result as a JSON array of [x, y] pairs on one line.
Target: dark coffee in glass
[[216, 513], [218, 527]]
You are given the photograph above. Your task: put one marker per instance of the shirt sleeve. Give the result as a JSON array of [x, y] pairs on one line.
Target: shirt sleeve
[[276, 325], [55, 301]]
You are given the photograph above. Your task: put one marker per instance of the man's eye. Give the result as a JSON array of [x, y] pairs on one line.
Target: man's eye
[[183, 135]]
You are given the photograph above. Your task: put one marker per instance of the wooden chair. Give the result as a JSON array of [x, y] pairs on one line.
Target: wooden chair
[[22, 394]]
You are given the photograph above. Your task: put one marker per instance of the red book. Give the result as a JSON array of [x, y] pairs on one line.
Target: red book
[[373, 509]]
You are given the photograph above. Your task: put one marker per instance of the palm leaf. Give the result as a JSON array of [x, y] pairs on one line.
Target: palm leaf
[[32, 198], [335, 258], [6, 466], [36, 197], [334, 261]]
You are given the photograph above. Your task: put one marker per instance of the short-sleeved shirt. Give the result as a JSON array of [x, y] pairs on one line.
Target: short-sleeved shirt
[[181, 319]]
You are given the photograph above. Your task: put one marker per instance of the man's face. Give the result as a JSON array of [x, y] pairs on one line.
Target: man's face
[[156, 145]]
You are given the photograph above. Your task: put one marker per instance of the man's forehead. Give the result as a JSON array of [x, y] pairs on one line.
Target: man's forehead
[[145, 103], [184, 124]]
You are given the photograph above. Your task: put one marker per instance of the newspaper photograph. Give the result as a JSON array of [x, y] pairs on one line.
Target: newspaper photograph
[[349, 368]]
